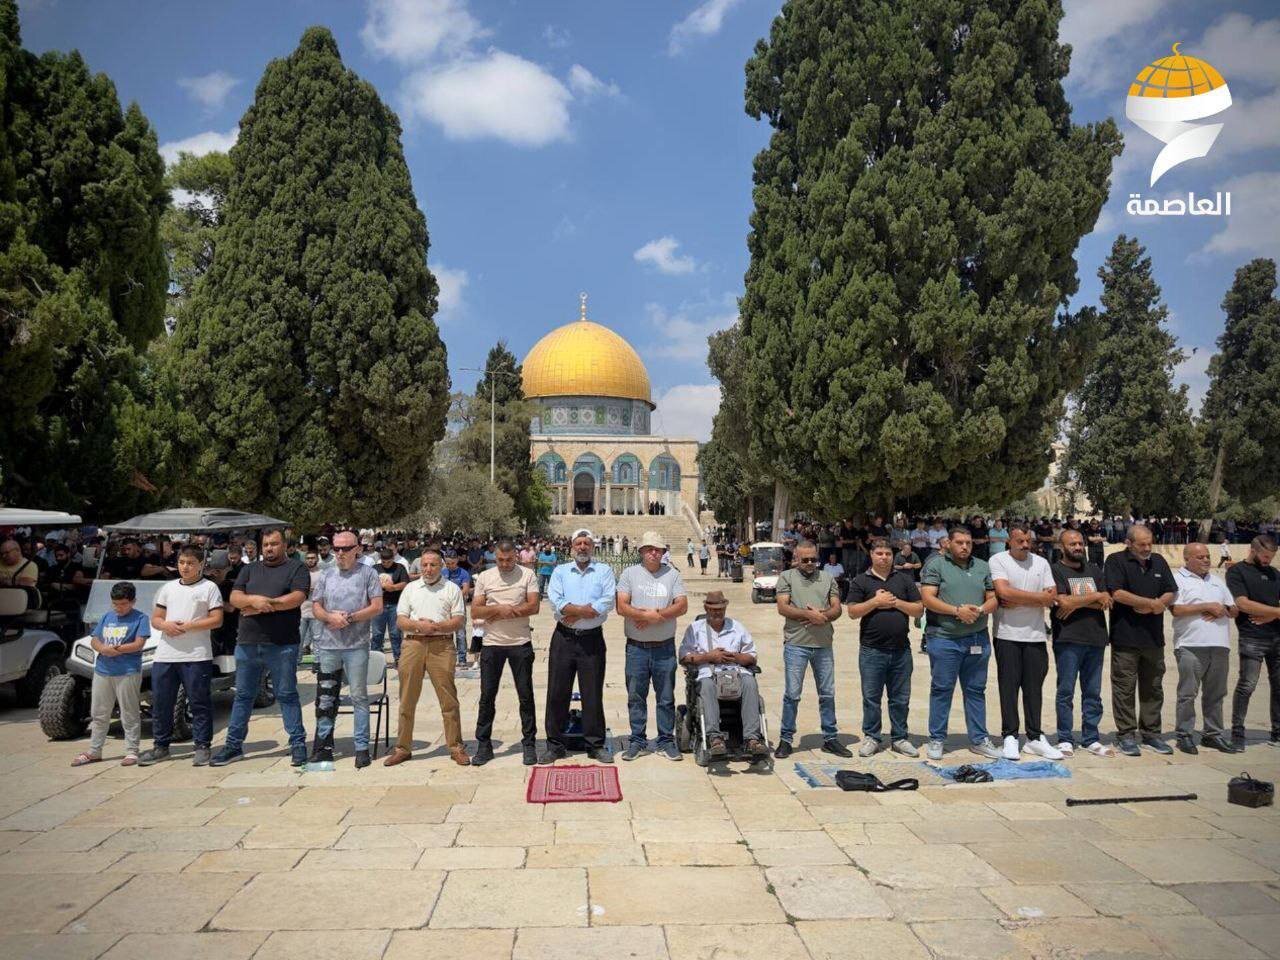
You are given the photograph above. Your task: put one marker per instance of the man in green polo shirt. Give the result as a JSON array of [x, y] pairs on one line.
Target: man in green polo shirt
[[809, 602], [957, 589]]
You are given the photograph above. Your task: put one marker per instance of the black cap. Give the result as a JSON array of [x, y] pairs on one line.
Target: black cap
[[386, 553]]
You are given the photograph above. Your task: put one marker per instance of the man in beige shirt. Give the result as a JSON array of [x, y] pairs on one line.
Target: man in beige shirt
[[430, 610], [506, 596]]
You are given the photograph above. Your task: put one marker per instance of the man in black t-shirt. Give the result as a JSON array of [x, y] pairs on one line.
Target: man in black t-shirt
[[269, 596], [1141, 584], [129, 564], [1079, 643], [1255, 584], [885, 601]]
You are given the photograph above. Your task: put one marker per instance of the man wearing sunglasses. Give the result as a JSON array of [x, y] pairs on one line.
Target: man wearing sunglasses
[[809, 602]]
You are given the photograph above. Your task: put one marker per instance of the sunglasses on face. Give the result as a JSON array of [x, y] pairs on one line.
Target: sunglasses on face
[[807, 560], [346, 549]]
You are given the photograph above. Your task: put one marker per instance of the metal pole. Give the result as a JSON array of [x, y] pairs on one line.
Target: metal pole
[[493, 383]]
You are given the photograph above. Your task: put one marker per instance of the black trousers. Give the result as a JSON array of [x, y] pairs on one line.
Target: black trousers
[[1139, 669], [581, 656], [1021, 668], [520, 658]]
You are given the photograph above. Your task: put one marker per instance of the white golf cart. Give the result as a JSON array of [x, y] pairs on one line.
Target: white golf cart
[[34, 638], [64, 705], [768, 559]]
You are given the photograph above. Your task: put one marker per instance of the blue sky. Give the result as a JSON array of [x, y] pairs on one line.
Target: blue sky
[[601, 145]]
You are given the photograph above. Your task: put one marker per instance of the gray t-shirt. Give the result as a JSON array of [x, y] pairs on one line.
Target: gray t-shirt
[[348, 591], [651, 591]]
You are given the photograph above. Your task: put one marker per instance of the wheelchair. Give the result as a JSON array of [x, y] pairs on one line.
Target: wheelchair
[[691, 735]]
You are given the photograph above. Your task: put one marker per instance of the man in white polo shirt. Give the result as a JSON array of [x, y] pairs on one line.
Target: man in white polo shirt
[[1025, 588], [1202, 613]]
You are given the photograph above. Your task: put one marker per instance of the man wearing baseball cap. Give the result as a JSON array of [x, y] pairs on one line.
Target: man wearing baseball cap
[[651, 597], [582, 593]]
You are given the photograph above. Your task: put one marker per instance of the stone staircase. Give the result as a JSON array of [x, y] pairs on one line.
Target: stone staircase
[[674, 529]]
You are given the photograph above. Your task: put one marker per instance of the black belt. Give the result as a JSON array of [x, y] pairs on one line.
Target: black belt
[[573, 631], [651, 643]]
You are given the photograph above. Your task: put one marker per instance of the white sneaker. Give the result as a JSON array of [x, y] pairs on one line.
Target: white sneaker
[[1042, 748], [986, 749], [1010, 751], [1066, 748], [868, 748], [935, 750], [905, 748]]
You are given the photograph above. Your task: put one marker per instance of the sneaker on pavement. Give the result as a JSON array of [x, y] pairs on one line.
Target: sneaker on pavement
[[530, 756], [154, 755], [551, 755], [670, 751], [836, 748], [362, 759], [298, 756], [1041, 747], [1066, 748], [226, 755], [1129, 747], [1217, 743], [483, 754], [869, 747], [935, 750], [987, 749], [321, 754], [905, 748], [1010, 751], [783, 749], [634, 749], [601, 755], [200, 757], [1156, 744], [1187, 745]]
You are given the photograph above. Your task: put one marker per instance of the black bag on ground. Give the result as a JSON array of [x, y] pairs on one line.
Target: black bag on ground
[[869, 782], [1248, 792], [971, 774]]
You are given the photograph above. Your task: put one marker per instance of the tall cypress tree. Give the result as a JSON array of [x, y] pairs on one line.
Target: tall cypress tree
[[310, 367], [916, 215], [1241, 409], [1132, 444]]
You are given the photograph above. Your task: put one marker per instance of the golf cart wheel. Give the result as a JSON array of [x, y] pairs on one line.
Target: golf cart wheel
[[266, 694], [755, 596], [181, 717], [682, 728], [45, 667], [62, 716]]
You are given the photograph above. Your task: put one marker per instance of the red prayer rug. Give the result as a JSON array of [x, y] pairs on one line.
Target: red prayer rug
[[574, 785]]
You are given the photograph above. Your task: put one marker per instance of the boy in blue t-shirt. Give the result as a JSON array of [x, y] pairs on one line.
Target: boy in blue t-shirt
[[117, 640]]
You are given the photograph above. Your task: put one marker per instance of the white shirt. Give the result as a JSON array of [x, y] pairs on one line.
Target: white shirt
[[437, 601], [183, 603], [1195, 631], [1024, 624], [699, 638]]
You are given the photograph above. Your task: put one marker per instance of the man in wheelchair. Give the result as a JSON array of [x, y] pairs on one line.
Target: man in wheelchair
[[724, 654]]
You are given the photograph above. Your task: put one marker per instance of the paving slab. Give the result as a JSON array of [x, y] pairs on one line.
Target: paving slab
[[969, 940], [245, 861], [936, 865], [451, 944], [1196, 938], [860, 940], [783, 848], [188, 946], [938, 903], [325, 945], [695, 831], [663, 895], [35, 862], [1131, 899], [154, 861], [1035, 901], [1228, 899], [133, 839], [378, 858], [56, 946], [271, 902], [26, 907], [1101, 938], [529, 834], [472, 858], [292, 835], [160, 903], [825, 892], [979, 829], [696, 854], [67, 838], [398, 836], [1186, 861], [1051, 862], [777, 941], [519, 898], [1262, 931], [622, 943], [593, 831], [582, 854]]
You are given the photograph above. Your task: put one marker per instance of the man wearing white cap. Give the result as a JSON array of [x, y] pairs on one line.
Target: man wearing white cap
[[582, 592], [651, 597]]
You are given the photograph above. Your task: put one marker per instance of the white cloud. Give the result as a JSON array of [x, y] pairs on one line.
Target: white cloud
[[557, 38], [453, 284], [1194, 372], [682, 335], [1097, 31], [210, 90], [587, 85], [499, 95], [1241, 48], [1250, 124], [1255, 211], [687, 410], [661, 254], [413, 30], [704, 20], [200, 144]]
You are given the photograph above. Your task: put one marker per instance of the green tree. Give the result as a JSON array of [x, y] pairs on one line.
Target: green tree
[[311, 374], [1241, 410], [82, 283], [511, 415], [732, 481], [1132, 444], [190, 224], [462, 498], [917, 212]]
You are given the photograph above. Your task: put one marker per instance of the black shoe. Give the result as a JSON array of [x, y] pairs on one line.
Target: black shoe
[[1217, 743], [483, 754], [226, 755], [836, 747], [1238, 740], [152, 756], [362, 759], [530, 755], [1156, 744], [1187, 745], [551, 755], [600, 755], [782, 750], [1129, 747], [321, 754], [717, 748], [298, 756]]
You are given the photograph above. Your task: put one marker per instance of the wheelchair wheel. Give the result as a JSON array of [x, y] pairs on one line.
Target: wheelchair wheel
[[684, 736], [700, 755]]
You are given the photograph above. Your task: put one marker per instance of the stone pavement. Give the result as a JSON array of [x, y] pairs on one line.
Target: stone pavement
[[428, 859]]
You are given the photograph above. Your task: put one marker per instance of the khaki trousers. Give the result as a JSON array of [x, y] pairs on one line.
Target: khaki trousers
[[436, 657]]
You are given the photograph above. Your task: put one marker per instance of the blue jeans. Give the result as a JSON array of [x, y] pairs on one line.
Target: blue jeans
[[1083, 661], [460, 640], [654, 666], [543, 580], [794, 660], [949, 660], [281, 663], [882, 669], [385, 622], [354, 664], [309, 630]]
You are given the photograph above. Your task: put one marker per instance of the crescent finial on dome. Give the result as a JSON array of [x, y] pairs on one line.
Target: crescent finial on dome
[[582, 306], [1175, 48]]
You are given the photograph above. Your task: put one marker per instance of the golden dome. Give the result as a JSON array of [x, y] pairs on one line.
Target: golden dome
[[584, 359]]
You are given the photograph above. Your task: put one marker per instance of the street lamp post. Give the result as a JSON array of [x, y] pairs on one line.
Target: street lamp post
[[493, 425]]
